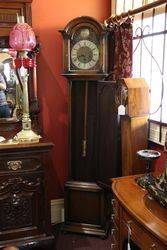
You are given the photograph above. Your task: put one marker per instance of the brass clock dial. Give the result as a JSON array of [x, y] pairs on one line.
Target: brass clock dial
[[84, 49], [85, 54]]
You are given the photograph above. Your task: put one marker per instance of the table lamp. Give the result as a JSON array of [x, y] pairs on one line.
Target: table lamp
[[22, 39]]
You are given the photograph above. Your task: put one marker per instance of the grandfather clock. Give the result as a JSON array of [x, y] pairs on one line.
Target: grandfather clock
[[91, 131]]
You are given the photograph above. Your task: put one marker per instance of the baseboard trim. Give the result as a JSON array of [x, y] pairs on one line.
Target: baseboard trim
[[57, 211]]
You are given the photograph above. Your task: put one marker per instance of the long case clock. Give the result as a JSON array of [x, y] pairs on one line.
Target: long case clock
[[93, 130]]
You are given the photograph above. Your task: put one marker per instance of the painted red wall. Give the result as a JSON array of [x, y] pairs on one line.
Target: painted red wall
[[49, 17]]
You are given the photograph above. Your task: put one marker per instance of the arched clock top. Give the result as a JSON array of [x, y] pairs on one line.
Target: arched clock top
[[84, 48], [78, 22]]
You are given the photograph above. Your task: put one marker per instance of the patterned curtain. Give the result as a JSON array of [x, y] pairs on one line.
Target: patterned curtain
[[120, 55]]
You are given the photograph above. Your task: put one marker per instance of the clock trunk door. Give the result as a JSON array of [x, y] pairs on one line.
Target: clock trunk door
[[96, 159]]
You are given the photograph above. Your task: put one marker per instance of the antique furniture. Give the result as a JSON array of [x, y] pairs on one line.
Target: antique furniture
[[134, 124], [134, 212], [8, 18], [92, 133], [24, 204]]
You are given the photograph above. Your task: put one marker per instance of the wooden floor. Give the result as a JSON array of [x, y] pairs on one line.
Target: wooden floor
[[70, 241]]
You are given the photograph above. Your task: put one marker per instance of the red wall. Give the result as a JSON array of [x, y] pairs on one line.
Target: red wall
[[49, 17]]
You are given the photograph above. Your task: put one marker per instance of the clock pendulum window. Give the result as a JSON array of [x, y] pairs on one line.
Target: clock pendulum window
[[87, 202]]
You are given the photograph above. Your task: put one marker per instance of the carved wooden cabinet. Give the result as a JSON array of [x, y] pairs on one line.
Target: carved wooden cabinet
[[133, 209], [24, 205]]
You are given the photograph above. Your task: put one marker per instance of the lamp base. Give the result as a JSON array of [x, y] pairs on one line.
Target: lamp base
[[27, 136]]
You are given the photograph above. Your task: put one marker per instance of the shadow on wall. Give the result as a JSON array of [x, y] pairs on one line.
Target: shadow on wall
[[53, 118]]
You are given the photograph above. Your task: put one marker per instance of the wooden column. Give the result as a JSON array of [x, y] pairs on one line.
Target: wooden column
[[134, 125]]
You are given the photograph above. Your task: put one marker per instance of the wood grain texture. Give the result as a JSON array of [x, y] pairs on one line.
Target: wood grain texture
[[87, 207], [134, 125], [147, 219], [134, 134], [138, 102]]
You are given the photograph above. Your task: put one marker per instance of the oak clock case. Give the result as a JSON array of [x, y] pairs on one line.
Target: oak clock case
[[85, 49], [92, 129]]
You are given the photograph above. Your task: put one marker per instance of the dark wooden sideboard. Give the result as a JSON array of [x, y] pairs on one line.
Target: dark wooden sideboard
[[24, 204], [146, 218]]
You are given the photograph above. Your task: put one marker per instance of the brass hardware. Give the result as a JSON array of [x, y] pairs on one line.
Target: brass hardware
[[113, 202], [14, 165], [153, 246], [113, 245], [15, 199], [114, 222], [84, 145], [112, 217], [84, 142]]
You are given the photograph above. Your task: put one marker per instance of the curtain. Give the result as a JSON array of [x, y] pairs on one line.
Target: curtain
[[120, 53]]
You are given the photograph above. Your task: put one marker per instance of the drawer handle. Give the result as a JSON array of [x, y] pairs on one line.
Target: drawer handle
[[113, 245], [112, 231], [15, 200], [14, 165], [112, 217], [113, 202], [153, 246], [129, 232], [113, 221]]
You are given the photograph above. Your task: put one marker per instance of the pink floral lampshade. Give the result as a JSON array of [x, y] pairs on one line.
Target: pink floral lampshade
[[22, 37]]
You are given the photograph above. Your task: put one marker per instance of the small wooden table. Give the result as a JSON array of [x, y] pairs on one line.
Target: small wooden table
[[146, 218]]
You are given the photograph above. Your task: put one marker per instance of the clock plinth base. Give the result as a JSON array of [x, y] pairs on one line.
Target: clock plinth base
[[87, 229], [87, 208]]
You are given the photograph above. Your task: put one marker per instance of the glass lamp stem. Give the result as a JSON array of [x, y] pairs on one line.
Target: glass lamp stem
[[26, 121]]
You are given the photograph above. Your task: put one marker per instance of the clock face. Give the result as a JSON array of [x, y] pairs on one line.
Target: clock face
[[85, 49], [84, 54]]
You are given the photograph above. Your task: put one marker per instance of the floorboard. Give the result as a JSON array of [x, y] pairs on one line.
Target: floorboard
[[70, 241]]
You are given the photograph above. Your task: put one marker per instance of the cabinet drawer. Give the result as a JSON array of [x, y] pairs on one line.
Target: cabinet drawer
[[19, 164], [143, 238]]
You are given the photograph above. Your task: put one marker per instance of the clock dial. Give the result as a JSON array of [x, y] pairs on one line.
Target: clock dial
[[84, 54], [85, 49]]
